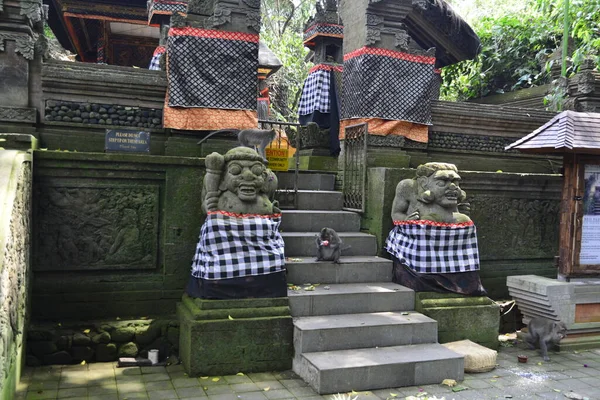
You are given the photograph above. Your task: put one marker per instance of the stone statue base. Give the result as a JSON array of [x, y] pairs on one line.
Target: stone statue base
[[460, 317], [224, 337], [462, 283], [253, 286]]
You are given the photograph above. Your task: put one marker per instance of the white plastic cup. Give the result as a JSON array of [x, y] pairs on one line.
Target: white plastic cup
[[153, 356]]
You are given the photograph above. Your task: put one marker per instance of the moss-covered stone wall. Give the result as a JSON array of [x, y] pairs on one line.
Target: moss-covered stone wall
[[100, 341], [114, 234], [15, 220], [516, 217]]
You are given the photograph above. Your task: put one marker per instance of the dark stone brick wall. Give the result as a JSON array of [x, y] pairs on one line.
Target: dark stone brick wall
[[455, 141], [102, 114]]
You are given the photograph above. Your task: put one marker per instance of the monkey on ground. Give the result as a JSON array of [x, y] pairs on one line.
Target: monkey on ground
[[542, 332], [252, 138], [329, 246]]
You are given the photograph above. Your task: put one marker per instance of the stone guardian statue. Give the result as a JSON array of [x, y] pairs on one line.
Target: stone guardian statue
[[434, 242], [240, 253]]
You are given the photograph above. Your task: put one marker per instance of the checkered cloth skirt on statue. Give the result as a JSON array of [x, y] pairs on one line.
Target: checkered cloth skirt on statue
[[434, 248], [236, 245]]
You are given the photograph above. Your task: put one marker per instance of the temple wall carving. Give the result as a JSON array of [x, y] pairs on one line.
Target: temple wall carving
[[14, 264]]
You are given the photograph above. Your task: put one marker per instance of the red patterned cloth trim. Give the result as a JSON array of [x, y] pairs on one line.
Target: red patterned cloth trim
[[208, 119], [236, 215], [308, 41], [390, 53], [329, 30], [437, 71], [159, 50], [433, 223], [211, 34], [326, 67]]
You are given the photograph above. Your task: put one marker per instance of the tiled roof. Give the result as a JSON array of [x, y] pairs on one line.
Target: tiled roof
[[567, 131]]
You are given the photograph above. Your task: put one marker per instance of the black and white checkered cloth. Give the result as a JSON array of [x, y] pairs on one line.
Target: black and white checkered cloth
[[315, 94], [434, 248], [232, 246], [155, 62], [372, 90]]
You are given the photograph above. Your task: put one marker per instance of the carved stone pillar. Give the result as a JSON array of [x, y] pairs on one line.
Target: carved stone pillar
[[583, 89], [22, 44], [392, 51], [212, 66]]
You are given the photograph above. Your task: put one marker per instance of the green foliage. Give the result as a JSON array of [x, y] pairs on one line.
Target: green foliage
[[283, 26], [514, 52], [516, 48]]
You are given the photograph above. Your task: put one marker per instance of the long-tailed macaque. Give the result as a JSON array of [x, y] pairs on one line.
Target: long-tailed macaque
[[542, 332], [329, 246], [259, 138]]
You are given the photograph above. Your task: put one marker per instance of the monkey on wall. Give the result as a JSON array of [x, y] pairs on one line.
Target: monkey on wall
[[329, 246], [542, 332], [259, 138]]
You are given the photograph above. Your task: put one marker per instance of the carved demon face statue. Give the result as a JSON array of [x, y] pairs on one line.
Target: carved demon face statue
[[245, 178], [440, 184], [444, 186]]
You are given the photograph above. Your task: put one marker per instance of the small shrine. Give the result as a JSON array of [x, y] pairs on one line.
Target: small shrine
[[319, 108], [574, 297], [393, 52]]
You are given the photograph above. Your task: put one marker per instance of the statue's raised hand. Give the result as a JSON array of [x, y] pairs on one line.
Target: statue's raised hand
[[211, 201], [215, 161], [464, 208]]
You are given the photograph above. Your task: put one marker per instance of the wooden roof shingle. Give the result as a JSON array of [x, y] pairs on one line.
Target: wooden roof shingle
[[568, 131]]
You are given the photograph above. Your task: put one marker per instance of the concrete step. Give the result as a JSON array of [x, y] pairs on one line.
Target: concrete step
[[354, 244], [350, 298], [352, 269], [356, 331], [326, 200], [378, 368], [306, 181], [315, 220]]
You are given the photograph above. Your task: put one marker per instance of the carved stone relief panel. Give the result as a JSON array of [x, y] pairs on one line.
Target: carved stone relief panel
[[515, 227], [17, 114], [13, 275], [96, 227]]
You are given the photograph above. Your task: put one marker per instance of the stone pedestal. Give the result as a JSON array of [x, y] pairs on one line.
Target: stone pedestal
[[576, 303], [224, 337], [460, 317]]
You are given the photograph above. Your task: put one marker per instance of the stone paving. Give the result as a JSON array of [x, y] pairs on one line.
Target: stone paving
[[566, 375]]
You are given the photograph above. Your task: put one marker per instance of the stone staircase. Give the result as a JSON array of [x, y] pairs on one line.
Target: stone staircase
[[356, 330]]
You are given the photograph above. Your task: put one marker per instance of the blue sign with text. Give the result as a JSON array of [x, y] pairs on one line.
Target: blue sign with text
[[129, 141]]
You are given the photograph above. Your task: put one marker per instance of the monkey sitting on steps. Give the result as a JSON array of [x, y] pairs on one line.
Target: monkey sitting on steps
[[542, 332], [251, 138], [329, 246]]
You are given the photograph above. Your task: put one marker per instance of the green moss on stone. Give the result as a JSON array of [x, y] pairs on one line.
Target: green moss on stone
[[461, 317], [123, 334], [226, 346], [106, 352], [128, 350]]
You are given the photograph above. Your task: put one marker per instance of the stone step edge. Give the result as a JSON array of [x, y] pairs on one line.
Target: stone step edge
[[405, 354], [419, 319], [393, 288]]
